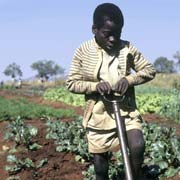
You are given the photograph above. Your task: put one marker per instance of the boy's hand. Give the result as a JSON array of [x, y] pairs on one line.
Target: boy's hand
[[121, 86], [103, 88]]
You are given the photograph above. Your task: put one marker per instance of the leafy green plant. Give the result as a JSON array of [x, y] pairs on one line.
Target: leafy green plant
[[69, 137], [89, 174], [151, 103], [62, 94], [162, 149], [17, 165], [13, 178], [22, 134], [171, 109], [166, 103]]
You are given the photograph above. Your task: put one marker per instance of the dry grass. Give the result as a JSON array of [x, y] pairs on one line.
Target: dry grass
[[161, 80], [166, 81]]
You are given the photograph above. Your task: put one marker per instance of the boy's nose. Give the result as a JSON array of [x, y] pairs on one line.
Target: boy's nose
[[111, 38]]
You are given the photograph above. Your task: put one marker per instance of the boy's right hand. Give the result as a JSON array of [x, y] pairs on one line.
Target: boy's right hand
[[103, 88]]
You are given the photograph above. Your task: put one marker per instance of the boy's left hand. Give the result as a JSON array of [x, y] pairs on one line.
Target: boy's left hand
[[121, 86]]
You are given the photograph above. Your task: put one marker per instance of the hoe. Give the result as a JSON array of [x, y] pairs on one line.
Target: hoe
[[121, 132]]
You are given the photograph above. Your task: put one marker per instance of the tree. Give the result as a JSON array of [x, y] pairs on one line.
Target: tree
[[177, 56], [163, 65], [47, 68], [13, 70]]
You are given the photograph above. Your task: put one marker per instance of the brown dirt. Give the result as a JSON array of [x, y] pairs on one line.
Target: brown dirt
[[60, 166]]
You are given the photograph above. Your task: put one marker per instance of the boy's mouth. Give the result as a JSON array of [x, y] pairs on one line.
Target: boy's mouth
[[110, 46]]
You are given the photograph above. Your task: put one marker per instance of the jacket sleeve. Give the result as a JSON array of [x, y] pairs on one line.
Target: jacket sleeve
[[144, 70], [76, 82]]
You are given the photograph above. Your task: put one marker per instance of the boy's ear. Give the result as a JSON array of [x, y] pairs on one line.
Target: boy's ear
[[94, 29]]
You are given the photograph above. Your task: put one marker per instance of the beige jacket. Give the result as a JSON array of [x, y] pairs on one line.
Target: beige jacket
[[86, 63]]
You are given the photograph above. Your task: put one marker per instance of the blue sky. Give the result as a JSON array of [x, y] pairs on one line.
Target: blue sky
[[32, 30]]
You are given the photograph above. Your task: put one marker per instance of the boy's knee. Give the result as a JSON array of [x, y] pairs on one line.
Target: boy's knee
[[136, 142], [138, 147]]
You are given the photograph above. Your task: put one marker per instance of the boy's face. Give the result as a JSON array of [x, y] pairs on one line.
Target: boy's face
[[108, 36]]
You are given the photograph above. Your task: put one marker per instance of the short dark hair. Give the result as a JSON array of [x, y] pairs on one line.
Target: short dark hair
[[107, 11]]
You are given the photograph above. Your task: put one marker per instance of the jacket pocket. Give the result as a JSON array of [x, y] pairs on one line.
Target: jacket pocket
[[88, 111]]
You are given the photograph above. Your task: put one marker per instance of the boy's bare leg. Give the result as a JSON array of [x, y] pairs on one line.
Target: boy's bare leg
[[136, 147], [101, 166]]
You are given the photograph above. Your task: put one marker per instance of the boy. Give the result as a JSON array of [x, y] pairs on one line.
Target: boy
[[103, 65]]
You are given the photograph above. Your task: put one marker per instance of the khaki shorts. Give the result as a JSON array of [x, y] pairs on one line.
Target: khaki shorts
[[100, 141]]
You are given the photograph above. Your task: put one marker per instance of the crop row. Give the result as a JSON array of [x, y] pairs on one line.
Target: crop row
[[162, 145], [165, 103], [161, 153], [22, 107]]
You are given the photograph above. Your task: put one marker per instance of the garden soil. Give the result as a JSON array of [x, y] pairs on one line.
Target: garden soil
[[60, 166]]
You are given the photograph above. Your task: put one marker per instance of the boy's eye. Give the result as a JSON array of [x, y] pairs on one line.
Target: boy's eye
[[106, 34], [114, 34]]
